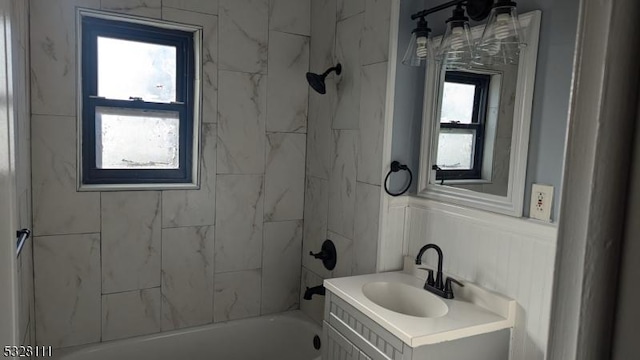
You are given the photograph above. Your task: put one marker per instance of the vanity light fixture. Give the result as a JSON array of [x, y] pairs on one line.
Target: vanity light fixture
[[455, 51], [502, 38], [500, 43], [420, 49]]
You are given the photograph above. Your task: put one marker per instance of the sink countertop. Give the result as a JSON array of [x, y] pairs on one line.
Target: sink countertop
[[474, 311]]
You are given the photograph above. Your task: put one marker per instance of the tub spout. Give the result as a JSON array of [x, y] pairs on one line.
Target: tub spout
[[316, 290]]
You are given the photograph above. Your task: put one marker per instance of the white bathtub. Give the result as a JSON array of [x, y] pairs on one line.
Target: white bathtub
[[286, 336]]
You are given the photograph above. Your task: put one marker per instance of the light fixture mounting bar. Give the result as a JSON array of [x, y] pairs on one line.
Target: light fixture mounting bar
[[434, 9], [476, 9]]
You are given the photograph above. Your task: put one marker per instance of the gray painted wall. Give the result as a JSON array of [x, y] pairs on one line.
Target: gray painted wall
[[550, 101], [407, 110]]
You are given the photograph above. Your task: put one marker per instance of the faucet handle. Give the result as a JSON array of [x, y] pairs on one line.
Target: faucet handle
[[321, 255], [448, 290], [430, 280], [327, 254]]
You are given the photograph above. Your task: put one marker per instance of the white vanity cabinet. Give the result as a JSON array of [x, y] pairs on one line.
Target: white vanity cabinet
[[351, 335], [365, 317]]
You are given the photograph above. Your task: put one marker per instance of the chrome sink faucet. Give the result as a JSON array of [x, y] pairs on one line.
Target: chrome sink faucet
[[437, 286]]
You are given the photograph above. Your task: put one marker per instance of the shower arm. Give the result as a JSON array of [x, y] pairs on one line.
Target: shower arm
[[336, 68]]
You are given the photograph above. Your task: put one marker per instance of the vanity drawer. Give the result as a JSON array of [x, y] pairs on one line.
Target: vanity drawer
[[376, 342], [337, 347]]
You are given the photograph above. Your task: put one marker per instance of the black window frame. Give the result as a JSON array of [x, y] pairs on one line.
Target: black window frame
[[477, 125], [183, 41]]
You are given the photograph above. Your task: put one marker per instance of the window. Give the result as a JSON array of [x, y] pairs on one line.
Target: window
[[462, 120], [137, 103]]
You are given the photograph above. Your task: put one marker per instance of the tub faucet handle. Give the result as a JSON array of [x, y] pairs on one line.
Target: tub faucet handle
[[327, 254]]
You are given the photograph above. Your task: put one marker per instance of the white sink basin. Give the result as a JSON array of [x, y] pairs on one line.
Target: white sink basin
[[405, 299], [396, 301]]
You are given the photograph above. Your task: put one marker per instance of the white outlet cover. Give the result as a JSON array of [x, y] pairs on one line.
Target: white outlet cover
[[541, 202]]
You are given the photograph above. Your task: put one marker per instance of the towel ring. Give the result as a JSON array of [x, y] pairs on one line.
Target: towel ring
[[395, 167]]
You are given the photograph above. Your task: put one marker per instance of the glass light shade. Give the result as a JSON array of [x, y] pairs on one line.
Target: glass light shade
[[502, 38], [456, 51], [419, 50]]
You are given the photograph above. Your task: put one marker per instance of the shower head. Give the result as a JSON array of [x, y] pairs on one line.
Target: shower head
[[316, 81]]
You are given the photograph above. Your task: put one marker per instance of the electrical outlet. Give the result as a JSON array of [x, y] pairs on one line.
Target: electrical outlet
[[541, 202]]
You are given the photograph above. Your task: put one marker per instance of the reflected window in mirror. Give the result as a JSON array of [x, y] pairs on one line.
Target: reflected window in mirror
[[475, 133], [462, 121]]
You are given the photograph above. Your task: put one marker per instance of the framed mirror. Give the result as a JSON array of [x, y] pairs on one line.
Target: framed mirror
[[475, 131]]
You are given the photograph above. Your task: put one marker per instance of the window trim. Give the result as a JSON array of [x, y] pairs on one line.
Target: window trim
[[478, 120], [140, 179]]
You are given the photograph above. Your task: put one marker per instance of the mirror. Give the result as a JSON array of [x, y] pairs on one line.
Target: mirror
[[476, 129]]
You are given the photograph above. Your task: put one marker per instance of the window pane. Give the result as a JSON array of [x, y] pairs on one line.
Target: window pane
[[136, 69], [457, 103], [140, 139], [455, 150]]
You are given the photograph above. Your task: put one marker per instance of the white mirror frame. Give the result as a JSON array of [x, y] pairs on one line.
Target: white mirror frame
[[512, 203]]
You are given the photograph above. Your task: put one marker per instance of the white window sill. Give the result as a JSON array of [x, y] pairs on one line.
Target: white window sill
[[137, 187]]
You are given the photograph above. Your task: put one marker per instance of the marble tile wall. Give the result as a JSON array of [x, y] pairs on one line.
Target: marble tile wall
[[111, 265], [344, 139], [187, 276], [130, 313], [130, 240], [68, 289], [281, 266]]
